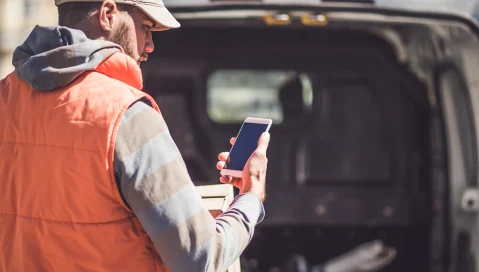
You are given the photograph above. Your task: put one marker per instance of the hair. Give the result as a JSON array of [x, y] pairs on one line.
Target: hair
[[76, 14]]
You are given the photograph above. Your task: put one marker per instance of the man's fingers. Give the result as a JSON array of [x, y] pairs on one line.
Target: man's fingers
[[226, 179], [230, 180], [223, 156], [233, 140], [263, 142], [220, 165]]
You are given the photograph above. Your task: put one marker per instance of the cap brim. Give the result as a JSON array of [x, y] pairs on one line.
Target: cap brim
[[161, 15]]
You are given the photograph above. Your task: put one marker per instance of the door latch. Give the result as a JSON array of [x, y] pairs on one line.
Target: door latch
[[470, 200]]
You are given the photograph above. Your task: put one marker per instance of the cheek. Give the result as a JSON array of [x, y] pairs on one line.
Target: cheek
[[140, 41]]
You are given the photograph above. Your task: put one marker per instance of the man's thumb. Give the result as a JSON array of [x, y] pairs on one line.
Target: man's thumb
[[263, 142]]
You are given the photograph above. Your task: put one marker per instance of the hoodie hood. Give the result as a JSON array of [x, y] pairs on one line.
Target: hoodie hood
[[52, 57]]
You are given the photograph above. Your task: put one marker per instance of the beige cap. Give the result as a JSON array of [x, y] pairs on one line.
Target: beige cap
[[153, 8]]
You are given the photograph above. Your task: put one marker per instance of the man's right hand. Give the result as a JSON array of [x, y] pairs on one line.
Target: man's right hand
[[254, 172]]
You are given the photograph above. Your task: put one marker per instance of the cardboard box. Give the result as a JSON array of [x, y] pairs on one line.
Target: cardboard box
[[217, 199]]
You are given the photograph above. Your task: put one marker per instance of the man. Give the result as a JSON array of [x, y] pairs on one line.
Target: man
[[90, 179]]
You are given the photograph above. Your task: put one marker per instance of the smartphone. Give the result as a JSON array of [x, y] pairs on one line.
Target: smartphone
[[246, 143]]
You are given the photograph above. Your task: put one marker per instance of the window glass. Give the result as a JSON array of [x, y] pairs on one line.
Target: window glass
[[234, 94]]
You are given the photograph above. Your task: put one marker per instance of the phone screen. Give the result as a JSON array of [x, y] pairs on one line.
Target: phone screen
[[246, 143]]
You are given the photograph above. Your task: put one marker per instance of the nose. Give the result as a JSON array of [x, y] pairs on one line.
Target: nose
[[149, 45]]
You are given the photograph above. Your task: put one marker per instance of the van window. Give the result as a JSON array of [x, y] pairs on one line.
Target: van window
[[234, 94]]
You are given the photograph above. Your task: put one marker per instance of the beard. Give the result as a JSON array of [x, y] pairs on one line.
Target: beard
[[124, 37]]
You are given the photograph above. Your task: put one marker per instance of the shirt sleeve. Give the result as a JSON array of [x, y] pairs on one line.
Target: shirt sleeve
[[154, 182]]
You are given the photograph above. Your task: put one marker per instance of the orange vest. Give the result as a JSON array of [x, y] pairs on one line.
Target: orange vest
[[60, 208]]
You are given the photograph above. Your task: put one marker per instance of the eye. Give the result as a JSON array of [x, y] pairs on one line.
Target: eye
[[147, 28]]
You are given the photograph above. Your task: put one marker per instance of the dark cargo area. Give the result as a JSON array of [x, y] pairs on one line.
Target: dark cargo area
[[348, 164]]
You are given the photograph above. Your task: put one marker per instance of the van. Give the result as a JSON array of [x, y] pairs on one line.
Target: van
[[375, 113]]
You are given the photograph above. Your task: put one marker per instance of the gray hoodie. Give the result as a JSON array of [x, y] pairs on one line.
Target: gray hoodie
[[52, 57]]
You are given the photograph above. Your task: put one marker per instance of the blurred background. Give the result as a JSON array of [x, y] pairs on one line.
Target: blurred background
[[17, 19], [374, 104]]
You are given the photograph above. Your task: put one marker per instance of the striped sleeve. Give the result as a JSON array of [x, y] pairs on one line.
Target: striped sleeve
[[154, 182]]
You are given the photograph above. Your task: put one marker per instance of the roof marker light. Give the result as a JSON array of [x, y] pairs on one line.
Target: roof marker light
[[314, 20], [277, 19]]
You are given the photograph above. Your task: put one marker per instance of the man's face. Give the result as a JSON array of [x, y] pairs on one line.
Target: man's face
[[133, 33]]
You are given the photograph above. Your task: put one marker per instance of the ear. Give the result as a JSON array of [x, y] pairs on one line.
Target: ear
[[107, 14]]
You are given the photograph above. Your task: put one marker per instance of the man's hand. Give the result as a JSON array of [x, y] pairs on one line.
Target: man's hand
[[254, 172]]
